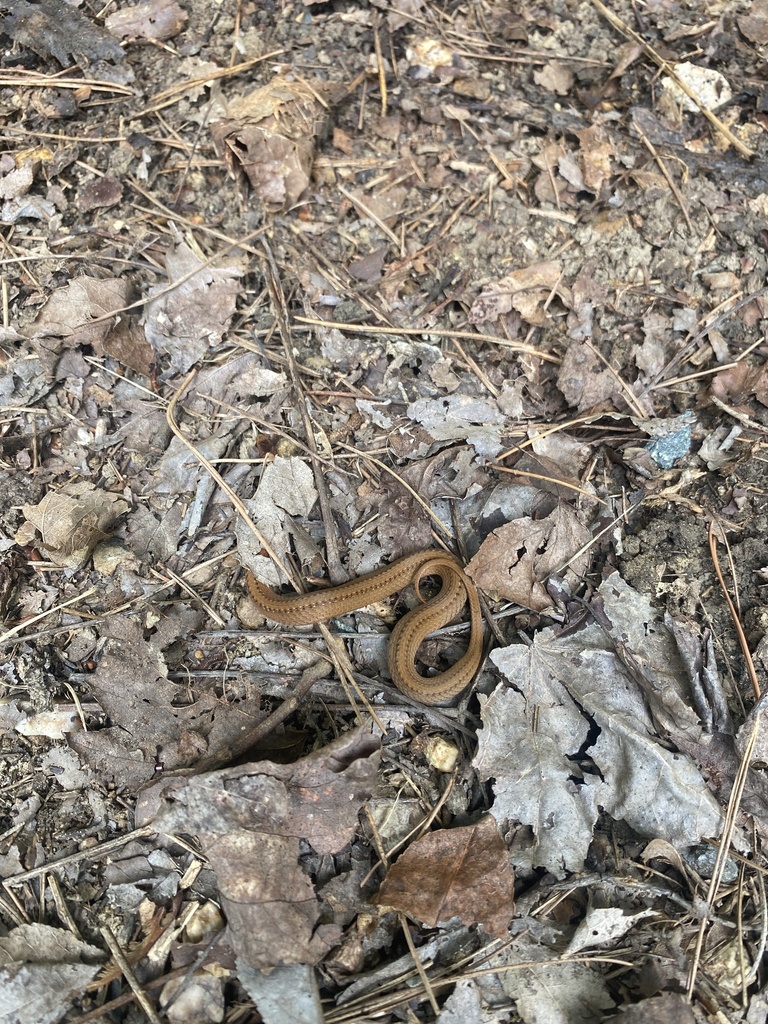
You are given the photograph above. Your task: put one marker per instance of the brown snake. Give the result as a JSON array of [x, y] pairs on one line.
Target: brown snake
[[457, 589]]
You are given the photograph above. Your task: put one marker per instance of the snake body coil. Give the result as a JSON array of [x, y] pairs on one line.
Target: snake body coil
[[457, 590]]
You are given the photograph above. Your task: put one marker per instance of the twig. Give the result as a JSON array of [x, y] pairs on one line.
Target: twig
[[21, 626], [336, 572], [93, 853], [740, 781], [141, 996], [670, 180], [421, 332], [702, 333], [421, 969], [665, 66]]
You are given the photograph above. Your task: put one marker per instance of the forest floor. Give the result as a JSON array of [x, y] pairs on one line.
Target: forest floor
[[300, 290]]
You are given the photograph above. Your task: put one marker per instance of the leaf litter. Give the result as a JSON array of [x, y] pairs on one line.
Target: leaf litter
[[418, 277]]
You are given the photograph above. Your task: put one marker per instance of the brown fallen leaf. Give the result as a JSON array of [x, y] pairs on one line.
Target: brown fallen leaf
[[77, 316], [525, 290], [251, 820], [152, 19], [596, 156], [153, 719], [270, 134], [584, 380], [99, 194], [514, 562], [735, 385], [458, 872], [71, 522]]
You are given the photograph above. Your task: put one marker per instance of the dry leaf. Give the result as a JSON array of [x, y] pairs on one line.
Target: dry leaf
[[478, 421], [555, 77], [603, 925], [560, 688], [548, 990], [584, 380], [67, 314], [286, 493], [99, 194], [754, 26], [457, 872], [514, 562], [525, 290], [150, 19], [71, 522], [187, 320], [735, 385], [41, 970], [250, 821], [152, 716], [270, 134], [596, 157]]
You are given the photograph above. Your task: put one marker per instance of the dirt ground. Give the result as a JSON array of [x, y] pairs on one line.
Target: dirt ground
[[298, 290]]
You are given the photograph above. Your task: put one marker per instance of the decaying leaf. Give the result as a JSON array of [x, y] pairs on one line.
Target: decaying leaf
[[286, 491], [547, 990], [556, 77], [737, 383], [525, 290], [153, 718], [754, 25], [100, 194], [150, 19], [270, 134], [17, 182], [458, 872], [476, 420], [187, 320], [41, 970], [80, 314], [514, 562], [250, 821], [71, 522], [583, 379], [59, 30], [603, 925], [710, 88]]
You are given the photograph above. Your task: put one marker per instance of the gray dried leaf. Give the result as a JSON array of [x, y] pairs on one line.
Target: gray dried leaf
[[559, 688]]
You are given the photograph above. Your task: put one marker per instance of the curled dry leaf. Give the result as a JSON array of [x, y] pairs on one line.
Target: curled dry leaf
[[71, 522], [525, 290], [515, 560], [270, 134], [457, 872]]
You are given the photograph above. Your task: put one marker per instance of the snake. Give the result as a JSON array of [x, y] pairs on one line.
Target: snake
[[456, 590]]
